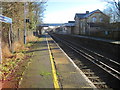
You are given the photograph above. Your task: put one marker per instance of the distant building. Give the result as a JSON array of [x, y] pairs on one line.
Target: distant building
[[66, 28], [89, 22], [69, 27]]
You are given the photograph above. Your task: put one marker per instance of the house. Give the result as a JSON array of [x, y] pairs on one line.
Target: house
[[69, 27], [60, 30], [90, 22]]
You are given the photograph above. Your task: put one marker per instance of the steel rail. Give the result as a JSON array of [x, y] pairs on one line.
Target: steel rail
[[116, 64]]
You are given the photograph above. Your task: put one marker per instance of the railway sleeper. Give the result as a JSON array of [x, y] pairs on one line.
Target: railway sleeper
[[84, 67], [94, 77], [102, 86], [87, 70], [95, 80], [99, 83], [89, 73]]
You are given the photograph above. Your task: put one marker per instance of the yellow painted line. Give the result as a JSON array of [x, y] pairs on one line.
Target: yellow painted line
[[55, 79]]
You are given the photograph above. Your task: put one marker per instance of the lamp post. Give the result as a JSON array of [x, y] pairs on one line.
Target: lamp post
[[24, 22]]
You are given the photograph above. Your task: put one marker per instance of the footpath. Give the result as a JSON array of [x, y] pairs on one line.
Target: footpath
[[50, 67]]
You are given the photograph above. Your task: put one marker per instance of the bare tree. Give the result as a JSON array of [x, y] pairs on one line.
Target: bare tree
[[113, 9]]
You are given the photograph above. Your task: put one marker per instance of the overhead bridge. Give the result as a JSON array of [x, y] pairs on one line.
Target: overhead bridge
[[51, 24], [40, 26]]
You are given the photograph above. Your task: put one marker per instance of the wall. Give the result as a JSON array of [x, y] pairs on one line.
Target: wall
[[76, 30], [105, 19], [113, 35]]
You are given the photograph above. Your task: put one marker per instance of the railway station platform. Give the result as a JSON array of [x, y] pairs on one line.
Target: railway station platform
[[50, 67], [99, 39]]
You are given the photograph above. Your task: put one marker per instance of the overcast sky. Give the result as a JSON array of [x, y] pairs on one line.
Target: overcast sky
[[62, 11]]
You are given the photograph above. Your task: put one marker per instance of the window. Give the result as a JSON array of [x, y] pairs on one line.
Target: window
[[94, 19], [101, 19]]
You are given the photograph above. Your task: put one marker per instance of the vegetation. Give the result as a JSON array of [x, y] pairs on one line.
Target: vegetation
[[11, 61], [12, 56]]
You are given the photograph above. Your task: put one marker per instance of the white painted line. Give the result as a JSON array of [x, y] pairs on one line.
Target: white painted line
[[77, 68]]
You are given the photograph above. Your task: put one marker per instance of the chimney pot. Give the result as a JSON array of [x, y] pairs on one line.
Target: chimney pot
[[87, 12]]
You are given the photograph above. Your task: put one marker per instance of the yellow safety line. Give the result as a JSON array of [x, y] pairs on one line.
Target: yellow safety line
[[55, 79]]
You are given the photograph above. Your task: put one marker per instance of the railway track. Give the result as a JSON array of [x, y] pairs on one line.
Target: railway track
[[105, 65]]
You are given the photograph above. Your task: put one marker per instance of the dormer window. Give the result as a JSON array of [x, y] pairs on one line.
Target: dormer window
[[94, 19]]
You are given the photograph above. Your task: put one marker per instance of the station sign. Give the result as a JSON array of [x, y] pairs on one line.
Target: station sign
[[5, 19]]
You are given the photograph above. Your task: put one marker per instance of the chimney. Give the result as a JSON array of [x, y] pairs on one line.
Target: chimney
[[87, 12]]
